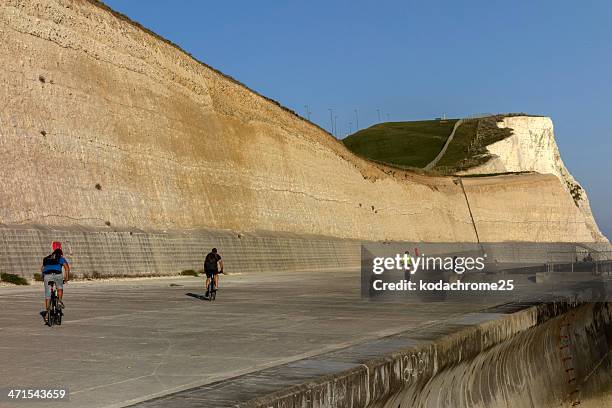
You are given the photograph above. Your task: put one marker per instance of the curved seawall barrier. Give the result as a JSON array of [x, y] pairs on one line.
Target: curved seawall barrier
[[516, 355]]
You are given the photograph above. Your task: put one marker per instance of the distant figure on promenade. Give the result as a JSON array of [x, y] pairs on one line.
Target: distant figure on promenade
[[213, 266], [55, 268], [408, 272]]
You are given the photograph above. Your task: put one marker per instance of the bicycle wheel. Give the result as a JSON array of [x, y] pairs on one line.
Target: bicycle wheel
[[211, 291], [51, 316], [58, 316]]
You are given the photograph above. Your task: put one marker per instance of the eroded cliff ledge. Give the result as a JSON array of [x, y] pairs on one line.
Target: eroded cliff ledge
[[103, 122]]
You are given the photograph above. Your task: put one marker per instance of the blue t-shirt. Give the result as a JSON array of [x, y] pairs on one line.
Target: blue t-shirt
[[55, 268]]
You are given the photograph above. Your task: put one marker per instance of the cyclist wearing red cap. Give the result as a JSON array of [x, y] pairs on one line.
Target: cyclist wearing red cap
[[51, 269]]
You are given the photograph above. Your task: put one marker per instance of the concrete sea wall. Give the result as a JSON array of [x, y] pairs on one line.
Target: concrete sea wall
[[516, 355], [101, 252], [564, 360], [108, 252]]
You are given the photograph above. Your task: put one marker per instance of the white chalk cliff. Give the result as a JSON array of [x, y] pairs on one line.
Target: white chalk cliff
[[105, 124], [532, 147]]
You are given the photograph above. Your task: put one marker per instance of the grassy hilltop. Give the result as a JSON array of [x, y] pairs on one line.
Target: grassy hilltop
[[404, 144], [415, 144]]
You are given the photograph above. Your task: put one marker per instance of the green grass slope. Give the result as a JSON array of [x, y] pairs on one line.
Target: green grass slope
[[468, 147], [415, 144], [403, 144]]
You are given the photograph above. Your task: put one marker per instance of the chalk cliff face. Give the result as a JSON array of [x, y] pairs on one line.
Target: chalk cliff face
[[103, 123], [532, 147]]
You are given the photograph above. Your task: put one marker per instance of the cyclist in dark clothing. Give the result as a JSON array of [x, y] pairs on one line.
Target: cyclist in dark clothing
[[213, 266]]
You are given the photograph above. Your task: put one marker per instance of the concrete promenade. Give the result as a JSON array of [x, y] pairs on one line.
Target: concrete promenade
[[129, 341]]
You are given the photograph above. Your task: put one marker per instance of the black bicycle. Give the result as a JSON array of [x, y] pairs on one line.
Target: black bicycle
[[54, 311], [212, 289]]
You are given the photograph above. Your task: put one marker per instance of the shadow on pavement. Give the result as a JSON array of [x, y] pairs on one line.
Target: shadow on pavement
[[195, 295]]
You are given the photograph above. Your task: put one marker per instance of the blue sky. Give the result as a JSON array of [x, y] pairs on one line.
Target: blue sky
[[416, 60]]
